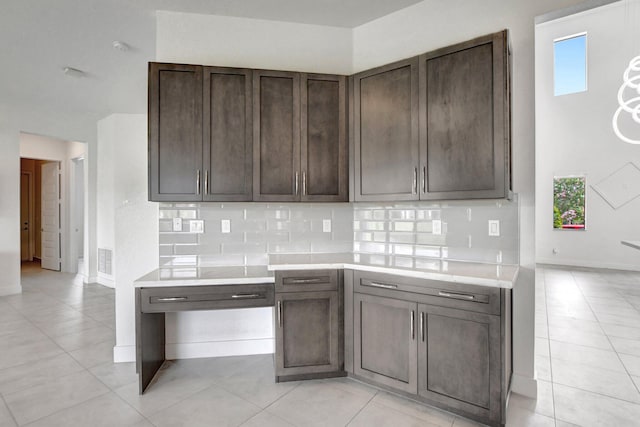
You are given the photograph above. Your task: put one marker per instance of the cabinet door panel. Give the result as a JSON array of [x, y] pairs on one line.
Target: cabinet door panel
[[463, 131], [386, 132], [175, 132], [459, 359], [323, 138], [276, 136], [307, 333], [385, 345], [227, 129]]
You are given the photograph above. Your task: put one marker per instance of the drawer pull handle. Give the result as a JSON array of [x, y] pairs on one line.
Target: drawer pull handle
[[454, 295], [280, 314], [241, 296], [413, 328], [172, 299], [381, 285], [303, 281], [422, 325]]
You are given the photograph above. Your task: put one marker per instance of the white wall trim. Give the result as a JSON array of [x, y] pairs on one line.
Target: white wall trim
[[219, 348], [10, 290], [524, 385], [104, 281], [124, 353], [588, 264]]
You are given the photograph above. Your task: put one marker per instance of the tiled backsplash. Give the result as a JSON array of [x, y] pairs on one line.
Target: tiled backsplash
[[256, 229], [407, 230], [398, 229]]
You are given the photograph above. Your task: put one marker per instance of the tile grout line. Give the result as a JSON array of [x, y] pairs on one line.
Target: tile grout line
[[616, 351], [361, 409], [13, 417], [546, 309]]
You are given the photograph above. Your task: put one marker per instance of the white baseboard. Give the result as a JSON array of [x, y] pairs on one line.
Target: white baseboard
[[10, 290], [106, 282], [127, 353], [124, 353], [91, 279], [524, 385], [586, 264]]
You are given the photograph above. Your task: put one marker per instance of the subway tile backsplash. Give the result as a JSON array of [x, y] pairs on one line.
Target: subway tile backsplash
[[256, 229], [404, 230]]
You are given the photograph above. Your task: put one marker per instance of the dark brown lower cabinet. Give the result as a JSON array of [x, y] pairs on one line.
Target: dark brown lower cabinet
[[448, 345], [459, 360], [385, 341], [309, 327]]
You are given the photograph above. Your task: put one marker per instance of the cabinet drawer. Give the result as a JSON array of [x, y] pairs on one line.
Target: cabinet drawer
[[306, 280], [482, 299], [209, 297]]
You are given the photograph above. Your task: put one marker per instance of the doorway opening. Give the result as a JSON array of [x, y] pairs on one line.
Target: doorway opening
[[52, 204], [40, 213]]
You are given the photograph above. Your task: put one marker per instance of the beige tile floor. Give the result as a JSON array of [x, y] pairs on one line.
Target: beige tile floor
[[56, 342]]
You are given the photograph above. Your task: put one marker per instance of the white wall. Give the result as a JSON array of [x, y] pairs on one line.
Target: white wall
[[13, 120], [432, 24], [574, 136], [252, 43], [127, 221]]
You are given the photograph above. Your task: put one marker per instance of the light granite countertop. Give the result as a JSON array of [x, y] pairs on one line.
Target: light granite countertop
[[631, 243], [502, 276]]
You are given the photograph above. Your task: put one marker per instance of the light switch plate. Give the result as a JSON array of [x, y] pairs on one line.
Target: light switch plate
[[225, 226], [436, 226], [326, 226], [196, 226], [494, 228], [177, 224]]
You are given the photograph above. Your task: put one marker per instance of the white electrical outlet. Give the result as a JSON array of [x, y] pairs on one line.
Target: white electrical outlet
[[177, 224], [196, 226], [494, 227], [436, 226], [225, 226], [326, 226]]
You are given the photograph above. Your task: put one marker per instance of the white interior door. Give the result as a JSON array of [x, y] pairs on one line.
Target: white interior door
[[25, 223], [51, 216]]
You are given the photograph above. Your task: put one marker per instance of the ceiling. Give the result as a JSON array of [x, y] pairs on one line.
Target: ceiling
[[38, 38]]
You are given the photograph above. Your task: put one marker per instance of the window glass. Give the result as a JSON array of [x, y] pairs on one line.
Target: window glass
[[569, 203], [570, 65]]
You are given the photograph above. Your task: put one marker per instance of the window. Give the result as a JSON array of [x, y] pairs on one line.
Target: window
[[570, 64], [569, 203]]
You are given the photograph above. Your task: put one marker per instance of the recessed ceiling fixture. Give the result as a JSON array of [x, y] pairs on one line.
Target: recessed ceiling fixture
[[121, 46], [73, 72]]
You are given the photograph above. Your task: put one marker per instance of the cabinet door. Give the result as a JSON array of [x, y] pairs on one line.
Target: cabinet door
[[175, 132], [459, 360], [276, 136], [307, 333], [385, 121], [385, 341], [323, 138], [227, 134], [464, 119]]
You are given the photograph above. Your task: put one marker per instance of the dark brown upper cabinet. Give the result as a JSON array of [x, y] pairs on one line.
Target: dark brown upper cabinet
[[200, 141], [323, 131], [227, 132], [276, 135], [175, 132], [385, 132], [299, 131], [435, 127], [465, 120]]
